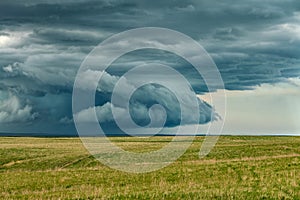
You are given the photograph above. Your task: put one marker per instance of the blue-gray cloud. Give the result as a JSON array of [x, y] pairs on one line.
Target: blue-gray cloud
[[42, 44], [140, 102]]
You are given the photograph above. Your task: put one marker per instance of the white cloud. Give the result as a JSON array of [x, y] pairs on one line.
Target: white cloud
[[65, 120], [13, 39], [268, 109], [8, 69], [12, 110], [103, 114], [89, 79]]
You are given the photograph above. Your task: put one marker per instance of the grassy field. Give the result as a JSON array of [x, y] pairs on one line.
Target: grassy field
[[237, 168]]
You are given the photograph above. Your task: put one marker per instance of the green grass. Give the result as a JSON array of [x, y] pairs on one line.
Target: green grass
[[237, 168]]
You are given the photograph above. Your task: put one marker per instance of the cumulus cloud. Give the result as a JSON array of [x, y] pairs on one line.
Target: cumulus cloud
[[66, 120], [141, 101], [89, 79], [12, 110]]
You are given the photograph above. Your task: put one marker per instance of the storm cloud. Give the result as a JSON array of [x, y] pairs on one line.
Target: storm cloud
[[141, 101], [42, 44]]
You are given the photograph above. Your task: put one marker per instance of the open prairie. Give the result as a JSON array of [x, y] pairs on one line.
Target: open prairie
[[237, 168]]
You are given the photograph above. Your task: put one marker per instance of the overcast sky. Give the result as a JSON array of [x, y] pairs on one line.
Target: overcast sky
[[255, 45]]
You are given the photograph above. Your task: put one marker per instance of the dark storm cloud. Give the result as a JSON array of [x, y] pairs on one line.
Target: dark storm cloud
[[142, 99], [42, 44]]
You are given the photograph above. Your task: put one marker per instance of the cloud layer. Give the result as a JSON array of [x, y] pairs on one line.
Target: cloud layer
[[42, 44]]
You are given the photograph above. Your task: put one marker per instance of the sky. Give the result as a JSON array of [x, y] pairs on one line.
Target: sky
[[255, 45]]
